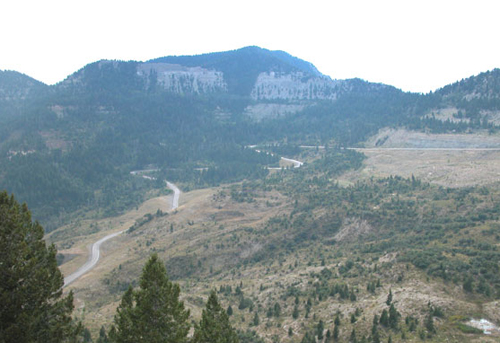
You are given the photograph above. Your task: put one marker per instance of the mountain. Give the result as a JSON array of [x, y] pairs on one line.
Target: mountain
[[182, 114], [15, 90], [285, 248], [475, 100]]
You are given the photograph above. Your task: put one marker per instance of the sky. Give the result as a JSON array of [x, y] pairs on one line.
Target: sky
[[417, 46]]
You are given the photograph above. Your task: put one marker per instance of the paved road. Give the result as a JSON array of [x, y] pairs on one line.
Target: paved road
[[93, 259], [296, 164], [177, 194], [95, 252], [424, 149]]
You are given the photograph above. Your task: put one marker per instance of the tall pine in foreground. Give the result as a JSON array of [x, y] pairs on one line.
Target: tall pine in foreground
[[153, 313], [214, 326], [32, 307]]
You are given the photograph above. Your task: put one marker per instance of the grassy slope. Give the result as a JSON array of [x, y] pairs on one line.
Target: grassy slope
[[218, 241]]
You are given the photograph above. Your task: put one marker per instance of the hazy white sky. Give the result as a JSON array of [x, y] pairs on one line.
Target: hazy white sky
[[414, 45]]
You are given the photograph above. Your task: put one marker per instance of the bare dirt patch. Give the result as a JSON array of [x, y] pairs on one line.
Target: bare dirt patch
[[445, 159]]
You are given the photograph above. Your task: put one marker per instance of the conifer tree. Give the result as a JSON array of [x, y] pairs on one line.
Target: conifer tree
[[214, 326], [32, 307], [393, 317], [352, 338], [256, 320], [384, 318], [336, 333], [103, 336], [153, 313], [389, 298]]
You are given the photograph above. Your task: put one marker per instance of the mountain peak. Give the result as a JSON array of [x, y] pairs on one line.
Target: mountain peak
[[241, 67]]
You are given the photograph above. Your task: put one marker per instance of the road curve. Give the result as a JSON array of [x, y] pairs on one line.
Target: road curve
[[95, 252], [177, 194]]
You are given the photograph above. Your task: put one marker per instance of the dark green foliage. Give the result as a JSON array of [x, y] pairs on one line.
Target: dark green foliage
[[393, 317], [336, 333], [277, 310], [468, 329], [229, 310], [32, 306], [384, 318], [256, 320], [389, 298], [411, 323], [214, 326], [352, 338], [103, 336], [249, 336], [429, 323], [319, 329], [308, 338], [152, 313]]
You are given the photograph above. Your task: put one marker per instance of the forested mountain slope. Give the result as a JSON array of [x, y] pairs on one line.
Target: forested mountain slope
[[183, 114]]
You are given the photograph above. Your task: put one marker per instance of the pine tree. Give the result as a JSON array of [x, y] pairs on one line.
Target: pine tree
[[32, 308], [153, 313], [352, 338], [389, 298], [103, 337], [393, 317], [384, 318], [256, 319], [277, 310], [429, 323], [319, 329], [214, 326], [336, 333]]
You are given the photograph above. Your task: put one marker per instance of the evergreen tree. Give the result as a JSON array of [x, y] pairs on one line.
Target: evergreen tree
[[256, 319], [384, 318], [319, 329], [352, 338], [214, 326], [336, 333], [429, 323], [32, 306], [308, 338], [103, 337], [277, 310], [393, 317], [295, 313], [229, 310], [389, 298], [153, 313]]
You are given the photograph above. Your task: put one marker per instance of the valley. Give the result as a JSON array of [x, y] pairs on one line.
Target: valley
[[381, 224], [214, 240]]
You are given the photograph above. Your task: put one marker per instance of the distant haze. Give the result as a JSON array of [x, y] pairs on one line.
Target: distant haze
[[417, 46]]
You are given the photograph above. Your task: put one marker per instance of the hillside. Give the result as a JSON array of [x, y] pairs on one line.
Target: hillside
[[182, 113], [16, 90], [397, 194], [296, 249]]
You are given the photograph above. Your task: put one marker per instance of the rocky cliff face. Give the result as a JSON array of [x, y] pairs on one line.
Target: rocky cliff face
[[180, 79], [293, 86]]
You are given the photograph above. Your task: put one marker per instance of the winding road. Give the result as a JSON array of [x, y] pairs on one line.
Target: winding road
[[95, 252]]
